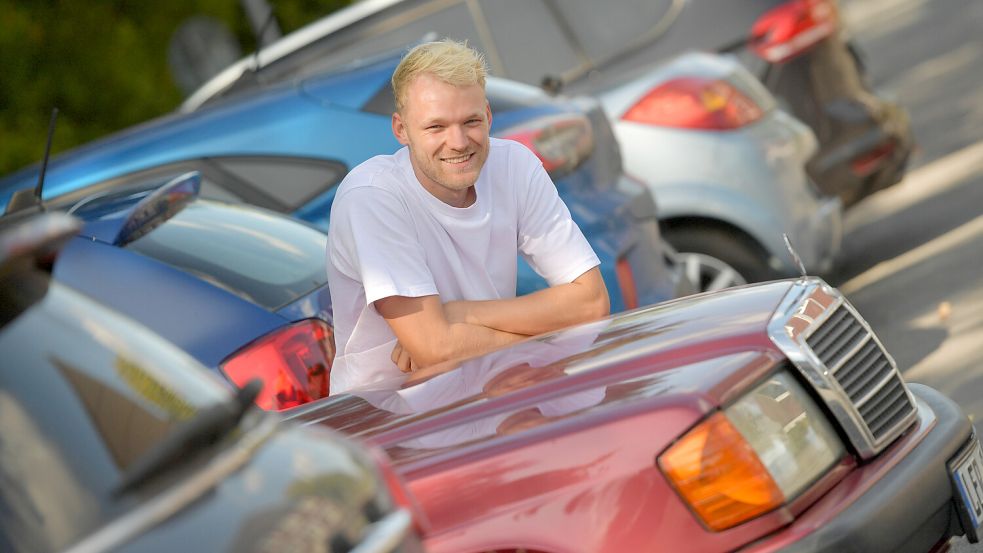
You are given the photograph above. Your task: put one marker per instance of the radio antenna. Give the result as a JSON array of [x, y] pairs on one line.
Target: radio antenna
[[26, 198], [47, 154], [795, 255]]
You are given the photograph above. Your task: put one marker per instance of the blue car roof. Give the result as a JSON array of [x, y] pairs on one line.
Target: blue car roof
[[241, 126], [279, 120]]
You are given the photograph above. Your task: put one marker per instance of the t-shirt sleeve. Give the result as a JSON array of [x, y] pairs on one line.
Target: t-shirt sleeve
[[548, 237], [372, 239]]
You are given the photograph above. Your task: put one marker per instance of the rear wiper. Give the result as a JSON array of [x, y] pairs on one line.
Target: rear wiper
[[203, 430]]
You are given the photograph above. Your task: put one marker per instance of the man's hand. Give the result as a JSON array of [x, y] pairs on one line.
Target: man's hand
[[402, 358]]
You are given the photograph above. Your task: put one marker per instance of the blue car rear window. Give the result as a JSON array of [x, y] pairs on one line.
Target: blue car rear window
[[266, 258]]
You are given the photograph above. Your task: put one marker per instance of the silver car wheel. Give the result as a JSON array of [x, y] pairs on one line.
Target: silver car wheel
[[707, 273]]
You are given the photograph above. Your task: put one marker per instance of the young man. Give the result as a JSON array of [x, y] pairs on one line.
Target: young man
[[423, 244]]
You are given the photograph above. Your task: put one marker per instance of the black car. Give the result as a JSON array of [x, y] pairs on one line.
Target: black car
[[797, 48], [112, 439]]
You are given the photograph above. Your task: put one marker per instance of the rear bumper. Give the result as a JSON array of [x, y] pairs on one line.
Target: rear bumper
[[906, 507], [864, 139], [886, 146], [652, 277], [827, 232], [816, 238]]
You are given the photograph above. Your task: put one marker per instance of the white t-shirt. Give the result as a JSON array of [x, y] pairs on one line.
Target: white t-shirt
[[388, 236]]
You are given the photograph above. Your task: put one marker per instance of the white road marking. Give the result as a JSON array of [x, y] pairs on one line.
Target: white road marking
[[970, 231], [940, 175], [921, 81], [878, 17]]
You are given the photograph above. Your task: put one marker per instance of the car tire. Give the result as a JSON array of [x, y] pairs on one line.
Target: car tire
[[712, 258]]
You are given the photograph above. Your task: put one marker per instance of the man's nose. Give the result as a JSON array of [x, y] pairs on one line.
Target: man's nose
[[457, 138]]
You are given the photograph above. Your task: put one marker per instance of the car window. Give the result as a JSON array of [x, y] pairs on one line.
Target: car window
[[264, 257], [280, 183], [503, 96], [603, 29], [291, 182], [392, 29], [529, 47]]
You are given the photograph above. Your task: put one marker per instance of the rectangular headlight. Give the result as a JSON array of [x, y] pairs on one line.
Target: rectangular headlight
[[788, 431]]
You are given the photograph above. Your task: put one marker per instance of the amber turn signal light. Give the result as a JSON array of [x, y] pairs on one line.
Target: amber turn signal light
[[719, 475]]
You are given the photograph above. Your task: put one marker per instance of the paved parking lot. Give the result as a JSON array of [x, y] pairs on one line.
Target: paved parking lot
[[913, 254]]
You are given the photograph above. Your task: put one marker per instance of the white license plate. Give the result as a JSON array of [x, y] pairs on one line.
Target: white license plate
[[967, 472]]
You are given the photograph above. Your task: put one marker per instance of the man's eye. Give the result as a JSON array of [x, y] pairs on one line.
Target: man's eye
[[433, 127]]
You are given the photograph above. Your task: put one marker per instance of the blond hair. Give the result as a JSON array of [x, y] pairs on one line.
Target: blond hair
[[452, 62]]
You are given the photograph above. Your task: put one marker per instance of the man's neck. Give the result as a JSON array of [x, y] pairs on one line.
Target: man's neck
[[453, 198], [462, 199]]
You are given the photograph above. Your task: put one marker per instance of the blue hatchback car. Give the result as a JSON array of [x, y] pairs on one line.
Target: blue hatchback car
[[285, 148], [240, 288]]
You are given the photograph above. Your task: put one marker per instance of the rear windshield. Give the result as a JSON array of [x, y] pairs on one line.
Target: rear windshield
[[267, 258], [503, 96]]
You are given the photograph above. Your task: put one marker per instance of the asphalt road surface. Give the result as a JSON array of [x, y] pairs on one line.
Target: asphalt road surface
[[912, 261]]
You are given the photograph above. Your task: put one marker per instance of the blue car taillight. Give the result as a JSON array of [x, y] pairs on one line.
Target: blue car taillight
[[562, 142], [293, 362], [626, 279]]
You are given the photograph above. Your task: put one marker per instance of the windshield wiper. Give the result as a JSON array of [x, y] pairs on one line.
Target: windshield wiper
[[203, 430]]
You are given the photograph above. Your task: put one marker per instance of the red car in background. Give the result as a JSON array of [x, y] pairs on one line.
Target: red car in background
[[761, 418]]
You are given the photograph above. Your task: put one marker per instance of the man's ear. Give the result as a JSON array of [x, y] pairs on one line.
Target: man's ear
[[488, 112], [399, 129]]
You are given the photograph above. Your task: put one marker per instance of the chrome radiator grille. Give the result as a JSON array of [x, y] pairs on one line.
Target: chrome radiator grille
[[838, 354], [864, 371]]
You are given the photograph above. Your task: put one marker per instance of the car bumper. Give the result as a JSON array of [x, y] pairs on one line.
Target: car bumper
[[867, 161], [907, 506], [752, 178], [642, 268], [865, 139]]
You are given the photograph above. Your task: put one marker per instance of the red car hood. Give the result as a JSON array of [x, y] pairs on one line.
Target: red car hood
[[694, 353]]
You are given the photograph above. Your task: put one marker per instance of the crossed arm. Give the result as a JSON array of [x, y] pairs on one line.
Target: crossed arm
[[430, 331]]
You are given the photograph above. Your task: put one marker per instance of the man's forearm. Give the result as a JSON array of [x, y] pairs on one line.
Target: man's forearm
[[431, 332], [460, 341], [467, 340], [583, 300], [427, 337]]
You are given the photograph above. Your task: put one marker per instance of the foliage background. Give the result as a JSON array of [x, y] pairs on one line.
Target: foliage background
[[102, 63]]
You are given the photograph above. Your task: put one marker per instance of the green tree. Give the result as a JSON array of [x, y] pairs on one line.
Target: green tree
[[102, 63]]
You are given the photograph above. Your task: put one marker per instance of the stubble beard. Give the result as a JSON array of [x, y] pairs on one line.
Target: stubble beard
[[442, 175]]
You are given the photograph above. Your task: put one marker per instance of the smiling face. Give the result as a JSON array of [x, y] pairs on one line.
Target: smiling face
[[446, 128]]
